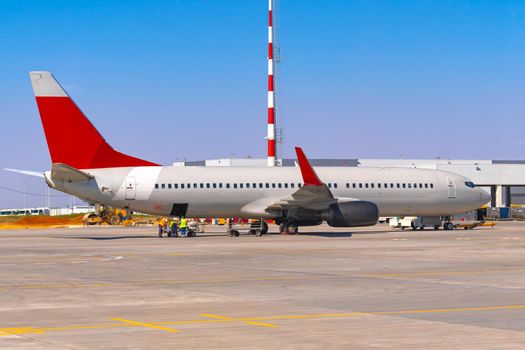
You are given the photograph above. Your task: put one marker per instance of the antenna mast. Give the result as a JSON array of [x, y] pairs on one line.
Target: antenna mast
[[271, 95]]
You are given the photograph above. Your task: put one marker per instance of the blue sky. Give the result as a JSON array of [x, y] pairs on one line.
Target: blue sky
[[168, 80]]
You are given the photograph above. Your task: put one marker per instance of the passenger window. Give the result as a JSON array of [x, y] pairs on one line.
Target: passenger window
[[169, 186], [415, 185], [347, 185], [386, 185], [431, 185], [240, 185], [157, 186], [234, 185], [372, 185], [163, 186], [273, 184], [409, 185], [227, 185], [254, 185], [181, 185], [220, 184], [366, 185], [404, 185], [214, 185], [194, 185], [299, 185], [292, 185], [378, 185], [335, 185], [202, 185], [329, 185], [267, 185], [353, 185], [420, 185], [279, 185], [286, 185], [175, 186], [360, 185]]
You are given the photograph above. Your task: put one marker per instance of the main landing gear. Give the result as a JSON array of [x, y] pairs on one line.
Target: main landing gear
[[288, 228], [447, 225]]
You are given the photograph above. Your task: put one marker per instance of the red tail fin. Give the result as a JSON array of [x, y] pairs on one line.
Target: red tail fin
[[71, 137]]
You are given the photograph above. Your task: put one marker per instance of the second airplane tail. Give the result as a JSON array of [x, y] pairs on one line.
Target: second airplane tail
[[71, 137]]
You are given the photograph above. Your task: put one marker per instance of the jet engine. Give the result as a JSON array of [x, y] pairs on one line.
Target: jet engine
[[350, 214]]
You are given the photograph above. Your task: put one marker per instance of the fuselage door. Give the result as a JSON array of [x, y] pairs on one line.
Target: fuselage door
[[451, 184], [130, 187]]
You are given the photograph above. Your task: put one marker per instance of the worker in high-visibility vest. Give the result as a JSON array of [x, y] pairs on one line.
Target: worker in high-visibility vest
[[162, 226], [183, 226], [173, 228]]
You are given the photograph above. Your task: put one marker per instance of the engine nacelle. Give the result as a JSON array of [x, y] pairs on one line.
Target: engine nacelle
[[350, 214]]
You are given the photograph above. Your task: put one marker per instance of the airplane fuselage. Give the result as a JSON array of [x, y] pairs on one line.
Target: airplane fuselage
[[247, 191]]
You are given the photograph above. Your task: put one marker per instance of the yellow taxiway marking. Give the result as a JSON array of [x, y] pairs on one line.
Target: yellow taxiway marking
[[147, 325], [262, 324], [259, 321], [224, 318], [19, 330]]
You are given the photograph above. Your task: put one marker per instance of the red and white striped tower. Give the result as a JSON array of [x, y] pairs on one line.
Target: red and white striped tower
[[271, 96]]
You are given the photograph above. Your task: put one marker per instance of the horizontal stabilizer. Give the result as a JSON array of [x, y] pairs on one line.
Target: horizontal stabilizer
[[65, 172], [26, 172]]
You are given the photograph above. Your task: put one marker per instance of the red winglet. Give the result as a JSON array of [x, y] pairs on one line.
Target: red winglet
[[309, 176]]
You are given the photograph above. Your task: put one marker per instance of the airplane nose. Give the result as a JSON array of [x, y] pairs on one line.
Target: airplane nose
[[484, 196]]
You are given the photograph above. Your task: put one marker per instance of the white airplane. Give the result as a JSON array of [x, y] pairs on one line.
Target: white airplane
[[86, 166]]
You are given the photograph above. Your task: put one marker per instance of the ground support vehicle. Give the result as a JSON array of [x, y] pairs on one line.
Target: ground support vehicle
[[107, 214], [258, 228], [415, 222]]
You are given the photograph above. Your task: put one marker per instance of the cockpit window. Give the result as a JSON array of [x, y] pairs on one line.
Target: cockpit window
[[470, 184]]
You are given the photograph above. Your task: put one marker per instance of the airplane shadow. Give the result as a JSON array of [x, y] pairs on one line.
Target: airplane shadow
[[108, 238]]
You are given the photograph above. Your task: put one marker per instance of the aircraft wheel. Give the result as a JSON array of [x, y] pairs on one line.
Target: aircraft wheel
[[436, 227], [264, 228], [259, 233], [292, 229], [448, 226]]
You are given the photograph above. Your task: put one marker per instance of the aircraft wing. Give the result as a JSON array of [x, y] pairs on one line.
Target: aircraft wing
[[314, 194]]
